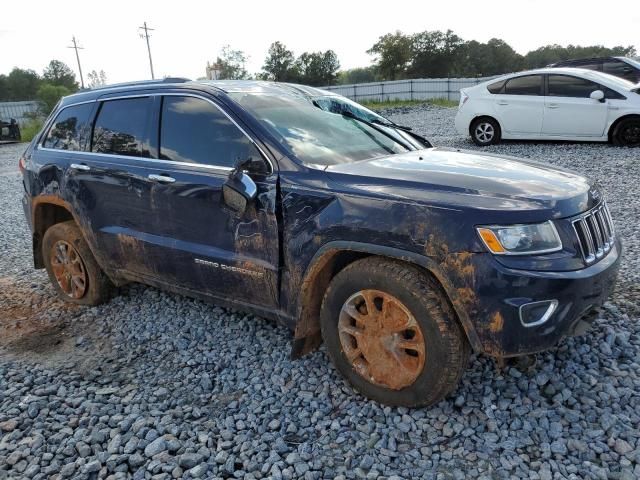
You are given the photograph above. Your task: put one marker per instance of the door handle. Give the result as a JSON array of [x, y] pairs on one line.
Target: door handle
[[80, 166], [161, 178], [503, 102], [553, 105]]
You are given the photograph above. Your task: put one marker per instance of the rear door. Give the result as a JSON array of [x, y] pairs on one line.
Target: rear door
[[569, 110], [519, 105]]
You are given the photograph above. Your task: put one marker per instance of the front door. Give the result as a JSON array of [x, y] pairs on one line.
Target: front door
[[195, 241], [569, 110]]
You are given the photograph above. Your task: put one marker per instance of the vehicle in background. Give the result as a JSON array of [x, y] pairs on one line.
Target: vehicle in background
[[551, 104], [400, 258], [9, 131], [622, 67]]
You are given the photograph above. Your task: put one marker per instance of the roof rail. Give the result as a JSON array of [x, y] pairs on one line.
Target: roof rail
[[140, 82]]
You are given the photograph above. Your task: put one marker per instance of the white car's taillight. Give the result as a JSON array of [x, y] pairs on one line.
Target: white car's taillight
[[463, 99]]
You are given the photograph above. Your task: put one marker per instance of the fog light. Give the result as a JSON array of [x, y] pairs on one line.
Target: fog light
[[536, 313]]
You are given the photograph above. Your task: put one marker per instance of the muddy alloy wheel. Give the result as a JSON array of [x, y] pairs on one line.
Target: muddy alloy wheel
[[72, 269], [389, 330], [68, 269], [381, 339]]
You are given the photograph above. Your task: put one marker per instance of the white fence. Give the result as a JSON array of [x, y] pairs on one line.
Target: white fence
[[412, 89], [18, 110]]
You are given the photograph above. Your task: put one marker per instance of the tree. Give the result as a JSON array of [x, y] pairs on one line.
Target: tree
[[97, 79], [554, 53], [58, 73], [357, 75], [317, 68], [280, 64], [434, 54], [49, 95], [485, 59], [232, 64], [19, 85], [392, 55]]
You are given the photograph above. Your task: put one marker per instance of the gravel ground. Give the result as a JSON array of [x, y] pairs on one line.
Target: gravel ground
[[154, 385]]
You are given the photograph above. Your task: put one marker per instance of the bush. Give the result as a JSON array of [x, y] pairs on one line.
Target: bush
[[31, 129]]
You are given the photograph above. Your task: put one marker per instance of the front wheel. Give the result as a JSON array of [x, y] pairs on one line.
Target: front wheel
[[72, 270], [627, 133], [391, 333], [485, 131]]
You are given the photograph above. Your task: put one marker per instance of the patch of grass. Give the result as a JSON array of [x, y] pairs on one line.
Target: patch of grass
[[31, 129], [377, 105]]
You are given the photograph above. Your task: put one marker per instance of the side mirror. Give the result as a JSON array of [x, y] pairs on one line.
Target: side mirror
[[239, 189], [597, 95]]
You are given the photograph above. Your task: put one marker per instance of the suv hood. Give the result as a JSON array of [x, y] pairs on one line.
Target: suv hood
[[471, 180]]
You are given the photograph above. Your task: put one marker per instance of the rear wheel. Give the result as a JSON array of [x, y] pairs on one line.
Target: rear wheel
[[72, 270], [485, 131], [390, 331], [627, 133]]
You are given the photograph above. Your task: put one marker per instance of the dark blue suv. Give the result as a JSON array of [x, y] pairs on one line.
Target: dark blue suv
[[301, 206]]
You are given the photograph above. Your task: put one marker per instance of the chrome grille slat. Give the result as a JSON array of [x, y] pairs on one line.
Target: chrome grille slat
[[595, 233]]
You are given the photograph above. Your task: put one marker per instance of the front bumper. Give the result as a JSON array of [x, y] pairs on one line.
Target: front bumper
[[495, 312]]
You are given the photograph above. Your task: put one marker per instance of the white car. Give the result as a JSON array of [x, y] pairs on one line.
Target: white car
[[551, 104]]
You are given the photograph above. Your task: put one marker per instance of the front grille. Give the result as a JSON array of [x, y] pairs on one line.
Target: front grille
[[595, 233]]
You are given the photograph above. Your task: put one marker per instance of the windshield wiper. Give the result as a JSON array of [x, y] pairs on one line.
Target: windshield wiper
[[391, 124], [348, 114]]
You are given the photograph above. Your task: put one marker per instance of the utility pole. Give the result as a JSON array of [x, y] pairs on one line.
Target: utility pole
[[76, 48], [145, 35]]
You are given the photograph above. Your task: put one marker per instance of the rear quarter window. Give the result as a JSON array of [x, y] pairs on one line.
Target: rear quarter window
[[496, 87], [71, 128]]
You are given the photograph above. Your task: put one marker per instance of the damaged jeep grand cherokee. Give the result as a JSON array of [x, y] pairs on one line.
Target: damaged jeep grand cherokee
[[301, 206]]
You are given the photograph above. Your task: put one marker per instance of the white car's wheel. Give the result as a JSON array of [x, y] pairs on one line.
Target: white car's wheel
[[485, 131]]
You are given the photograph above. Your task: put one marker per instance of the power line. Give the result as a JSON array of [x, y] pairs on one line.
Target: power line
[[76, 48], [146, 35]]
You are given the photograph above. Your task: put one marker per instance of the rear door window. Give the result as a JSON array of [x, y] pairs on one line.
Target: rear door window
[[193, 130], [71, 128], [121, 127], [526, 85]]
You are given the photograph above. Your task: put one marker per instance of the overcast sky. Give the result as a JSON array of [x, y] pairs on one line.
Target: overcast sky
[[189, 33]]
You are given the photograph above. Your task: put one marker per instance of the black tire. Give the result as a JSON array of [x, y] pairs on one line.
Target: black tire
[[446, 350], [485, 131], [627, 133], [97, 288]]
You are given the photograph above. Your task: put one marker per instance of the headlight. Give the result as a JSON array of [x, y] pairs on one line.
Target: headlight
[[521, 239]]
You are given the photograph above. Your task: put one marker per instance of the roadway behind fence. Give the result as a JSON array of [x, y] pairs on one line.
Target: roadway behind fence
[[412, 89]]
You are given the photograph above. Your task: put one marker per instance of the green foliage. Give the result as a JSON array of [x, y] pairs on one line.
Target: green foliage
[[31, 128], [49, 95], [356, 75], [310, 68], [543, 56], [435, 54], [280, 64], [392, 55], [19, 85], [59, 73], [232, 64], [317, 68]]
